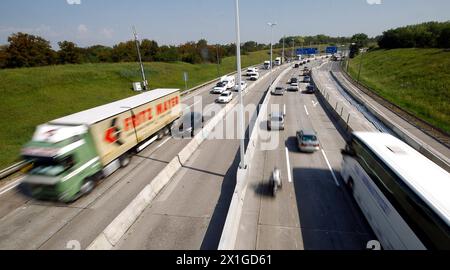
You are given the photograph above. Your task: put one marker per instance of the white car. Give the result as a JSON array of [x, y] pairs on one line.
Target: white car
[[254, 76], [293, 87], [251, 71], [220, 87], [243, 86], [225, 97]]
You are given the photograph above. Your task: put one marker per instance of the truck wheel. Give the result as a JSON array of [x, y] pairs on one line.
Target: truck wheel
[[125, 160], [87, 187]]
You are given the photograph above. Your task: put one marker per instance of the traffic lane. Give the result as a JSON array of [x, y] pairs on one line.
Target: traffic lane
[[179, 217], [109, 211], [84, 219], [329, 217], [190, 212], [278, 222], [101, 206]]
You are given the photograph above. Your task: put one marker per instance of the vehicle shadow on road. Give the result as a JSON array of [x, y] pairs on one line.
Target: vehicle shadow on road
[[329, 217], [214, 232]]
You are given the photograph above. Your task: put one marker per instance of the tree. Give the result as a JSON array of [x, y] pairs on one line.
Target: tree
[[425, 35], [444, 38], [124, 52], [3, 56], [149, 49], [167, 54], [26, 50], [358, 41], [97, 53], [69, 53]]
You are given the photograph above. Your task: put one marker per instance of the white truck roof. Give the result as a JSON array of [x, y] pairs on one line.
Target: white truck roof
[[97, 114]]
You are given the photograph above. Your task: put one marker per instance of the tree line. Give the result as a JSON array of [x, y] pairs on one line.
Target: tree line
[[25, 50], [425, 35]]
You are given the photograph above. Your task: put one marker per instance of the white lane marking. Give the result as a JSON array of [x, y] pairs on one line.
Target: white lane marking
[[314, 103], [194, 104], [288, 166], [307, 113], [161, 144], [331, 169], [10, 186]]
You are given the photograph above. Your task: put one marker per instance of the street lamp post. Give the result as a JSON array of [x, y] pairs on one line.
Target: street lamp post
[[242, 165], [360, 64], [271, 50]]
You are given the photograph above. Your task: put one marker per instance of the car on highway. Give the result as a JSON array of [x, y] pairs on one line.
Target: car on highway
[[243, 86], [293, 87], [225, 97], [293, 80], [278, 91], [254, 76], [276, 121], [307, 141], [220, 87], [251, 71], [187, 125], [296, 65], [307, 79], [310, 89]]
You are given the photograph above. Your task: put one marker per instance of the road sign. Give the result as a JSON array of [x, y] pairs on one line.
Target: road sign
[[301, 51], [332, 50]]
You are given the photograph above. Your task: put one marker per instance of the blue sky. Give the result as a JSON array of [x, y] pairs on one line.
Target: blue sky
[[177, 21]]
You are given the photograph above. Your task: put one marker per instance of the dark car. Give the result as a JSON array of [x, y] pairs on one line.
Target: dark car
[[310, 89], [187, 125], [296, 65], [293, 80]]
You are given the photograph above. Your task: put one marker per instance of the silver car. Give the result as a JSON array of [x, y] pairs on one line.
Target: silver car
[[278, 91], [276, 121], [307, 141]]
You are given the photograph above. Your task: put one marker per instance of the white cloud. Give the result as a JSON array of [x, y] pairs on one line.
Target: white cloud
[[107, 32], [374, 2], [82, 29], [74, 2], [43, 30]]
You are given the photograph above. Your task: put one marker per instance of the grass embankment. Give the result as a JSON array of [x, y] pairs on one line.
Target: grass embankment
[[417, 80], [32, 96]]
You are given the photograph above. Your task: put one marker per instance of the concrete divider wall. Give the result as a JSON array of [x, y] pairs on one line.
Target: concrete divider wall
[[406, 136], [112, 234], [231, 227]]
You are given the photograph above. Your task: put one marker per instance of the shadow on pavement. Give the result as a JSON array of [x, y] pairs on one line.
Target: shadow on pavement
[[329, 217]]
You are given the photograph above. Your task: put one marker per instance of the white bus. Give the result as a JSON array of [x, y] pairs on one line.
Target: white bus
[[404, 196]]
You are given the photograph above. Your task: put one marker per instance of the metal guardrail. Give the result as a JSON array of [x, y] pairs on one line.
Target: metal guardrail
[[13, 169], [22, 164]]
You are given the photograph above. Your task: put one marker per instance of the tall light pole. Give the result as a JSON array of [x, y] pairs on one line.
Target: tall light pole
[[271, 50], [360, 64], [242, 165], [140, 58], [282, 56]]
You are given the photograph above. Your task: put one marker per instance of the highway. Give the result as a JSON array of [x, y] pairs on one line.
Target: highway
[[313, 210], [31, 224], [190, 212]]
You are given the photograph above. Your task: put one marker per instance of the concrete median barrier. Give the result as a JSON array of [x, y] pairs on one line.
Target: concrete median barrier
[[231, 227], [112, 234]]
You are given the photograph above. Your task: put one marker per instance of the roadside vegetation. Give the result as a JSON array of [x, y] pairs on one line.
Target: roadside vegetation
[[417, 80], [32, 96]]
